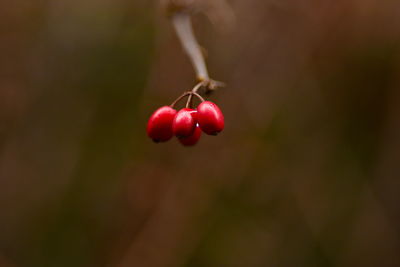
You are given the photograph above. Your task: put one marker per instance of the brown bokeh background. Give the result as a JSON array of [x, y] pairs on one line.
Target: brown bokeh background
[[306, 172]]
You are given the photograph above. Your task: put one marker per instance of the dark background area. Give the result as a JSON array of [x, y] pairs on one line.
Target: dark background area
[[306, 172]]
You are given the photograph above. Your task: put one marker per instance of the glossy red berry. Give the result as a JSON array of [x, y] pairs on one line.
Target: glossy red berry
[[159, 127], [184, 122], [192, 139], [210, 118]]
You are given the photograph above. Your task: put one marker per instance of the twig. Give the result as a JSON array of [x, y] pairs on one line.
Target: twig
[[183, 27]]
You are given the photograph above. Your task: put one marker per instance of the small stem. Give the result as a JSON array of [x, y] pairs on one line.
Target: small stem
[[199, 96], [194, 90], [189, 102], [198, 86], [180, 98]]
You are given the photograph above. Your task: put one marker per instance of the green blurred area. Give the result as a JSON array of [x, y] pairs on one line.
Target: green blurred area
[[306, 172]]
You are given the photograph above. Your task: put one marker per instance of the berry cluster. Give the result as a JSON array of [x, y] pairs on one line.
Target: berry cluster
[[187, 123]]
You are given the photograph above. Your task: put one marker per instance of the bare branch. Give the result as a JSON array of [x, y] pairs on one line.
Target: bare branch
[[183, 27]]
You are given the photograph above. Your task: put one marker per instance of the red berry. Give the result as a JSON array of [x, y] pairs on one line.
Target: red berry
[[159, 127], [192, 139], [184, 122], [210, 118]]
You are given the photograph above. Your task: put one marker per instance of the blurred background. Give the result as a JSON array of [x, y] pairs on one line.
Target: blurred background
[[306, 172]]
